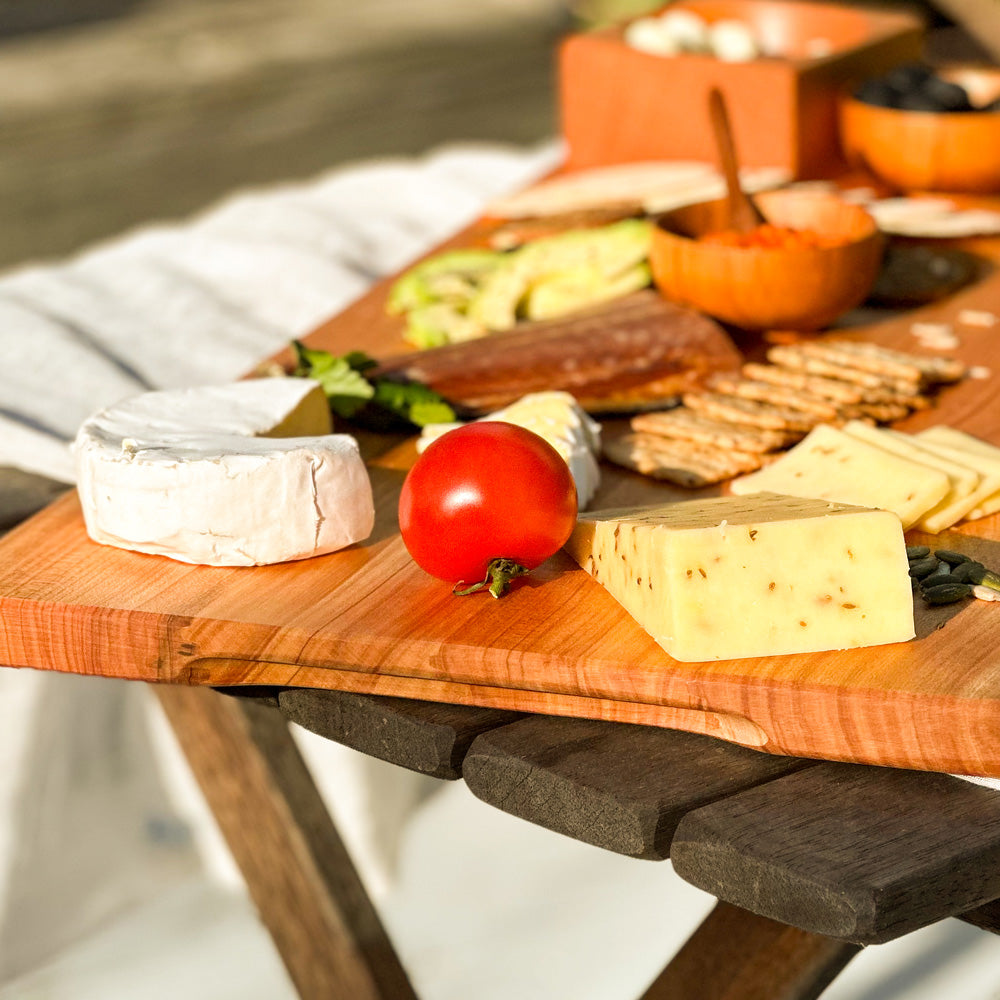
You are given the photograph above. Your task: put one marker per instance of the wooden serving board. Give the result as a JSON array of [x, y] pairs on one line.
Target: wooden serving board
[[368, 620]]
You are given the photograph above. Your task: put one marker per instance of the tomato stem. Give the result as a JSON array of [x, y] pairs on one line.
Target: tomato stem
[[499, 573]]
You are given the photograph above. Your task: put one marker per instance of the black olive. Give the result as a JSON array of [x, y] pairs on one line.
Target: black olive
[[919, 101], [949, 96], [908, 77], [877, 92]]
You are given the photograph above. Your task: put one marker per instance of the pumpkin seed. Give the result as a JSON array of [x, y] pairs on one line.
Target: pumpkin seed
[[937, 574], [947, 593], [969, 571], [921, 567], [952, 558]]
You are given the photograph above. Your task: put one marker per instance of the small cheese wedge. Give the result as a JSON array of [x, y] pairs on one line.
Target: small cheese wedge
[[830, 465], [207, 475], [557, 417], [982, 454], [761, 575], [963, 479]]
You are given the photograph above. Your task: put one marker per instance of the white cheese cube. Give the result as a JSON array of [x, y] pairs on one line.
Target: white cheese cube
[[559, 419]]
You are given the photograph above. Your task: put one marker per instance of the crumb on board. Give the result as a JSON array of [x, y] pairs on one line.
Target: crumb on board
[[935, 336], [977, 317]]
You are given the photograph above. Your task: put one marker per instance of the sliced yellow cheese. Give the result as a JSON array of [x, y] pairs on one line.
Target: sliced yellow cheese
[[985, 457], [988, 471], [963, 479], [831, 465], [760, 575]]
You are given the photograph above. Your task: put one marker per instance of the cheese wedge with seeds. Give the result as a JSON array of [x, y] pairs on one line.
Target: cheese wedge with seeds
[[734, 577], [831, 465]]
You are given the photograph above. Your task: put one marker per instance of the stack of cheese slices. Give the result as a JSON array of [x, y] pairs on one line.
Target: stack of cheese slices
[[932, 480]]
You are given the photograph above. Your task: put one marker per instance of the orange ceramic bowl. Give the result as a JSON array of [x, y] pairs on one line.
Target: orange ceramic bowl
[[769, 288], [929, 150]]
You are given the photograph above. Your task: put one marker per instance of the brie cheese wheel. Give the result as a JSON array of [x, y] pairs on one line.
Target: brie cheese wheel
[[557, 417], [232, 475]]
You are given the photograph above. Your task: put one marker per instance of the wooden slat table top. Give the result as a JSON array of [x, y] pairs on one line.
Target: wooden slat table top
[[425, 736], [367, 620]]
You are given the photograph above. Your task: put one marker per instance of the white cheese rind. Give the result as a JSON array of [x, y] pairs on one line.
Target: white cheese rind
[[753, 576], [182, 474]]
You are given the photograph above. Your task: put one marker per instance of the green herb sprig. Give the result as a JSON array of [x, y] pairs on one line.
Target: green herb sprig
[[375, 401]]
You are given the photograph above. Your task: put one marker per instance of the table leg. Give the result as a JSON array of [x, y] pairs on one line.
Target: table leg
[[298, 871], [736, 955]]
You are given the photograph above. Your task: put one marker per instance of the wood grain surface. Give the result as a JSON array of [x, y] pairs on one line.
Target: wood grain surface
[[858, 853], [432, 738], [628, 789], [299, 873], [623, 788], [368, 620], [736, 955]]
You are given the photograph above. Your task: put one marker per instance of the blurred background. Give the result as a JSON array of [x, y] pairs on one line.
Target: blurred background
[[119, 111]]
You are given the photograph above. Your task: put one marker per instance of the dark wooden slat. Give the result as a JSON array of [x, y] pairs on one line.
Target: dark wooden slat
[[423, 736], [985, 917], [264, 694], [735, 955], [620, 787], [861, 853], [296, 867], [23, 493]]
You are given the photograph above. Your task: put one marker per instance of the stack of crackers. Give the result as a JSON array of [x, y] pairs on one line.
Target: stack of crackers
[[743, 419]]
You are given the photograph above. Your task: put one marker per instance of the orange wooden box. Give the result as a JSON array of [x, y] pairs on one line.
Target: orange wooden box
[[621, 105]]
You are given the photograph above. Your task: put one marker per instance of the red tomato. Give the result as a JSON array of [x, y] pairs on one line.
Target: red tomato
[[486, 491]]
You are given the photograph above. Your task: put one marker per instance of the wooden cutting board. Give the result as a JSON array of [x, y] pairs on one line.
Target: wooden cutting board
[[368, 620]]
